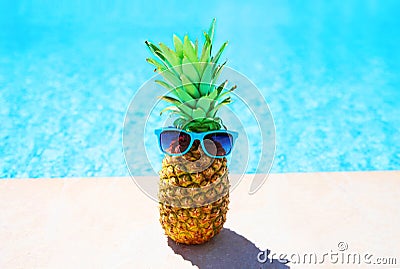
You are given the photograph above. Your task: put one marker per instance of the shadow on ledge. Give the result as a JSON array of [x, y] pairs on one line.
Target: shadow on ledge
[[226, 250]]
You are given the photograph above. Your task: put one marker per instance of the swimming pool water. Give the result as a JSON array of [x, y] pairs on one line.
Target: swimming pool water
[[329, 71]]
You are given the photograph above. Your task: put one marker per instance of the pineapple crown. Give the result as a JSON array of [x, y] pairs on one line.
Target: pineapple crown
[[191, 78]]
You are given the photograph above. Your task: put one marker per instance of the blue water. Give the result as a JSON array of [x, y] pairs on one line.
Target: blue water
[[329, 71]]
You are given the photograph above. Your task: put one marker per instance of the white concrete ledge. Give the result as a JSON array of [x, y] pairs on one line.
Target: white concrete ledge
[[110, 223]]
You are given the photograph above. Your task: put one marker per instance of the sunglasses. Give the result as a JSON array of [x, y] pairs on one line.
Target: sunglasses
[[215, 144]]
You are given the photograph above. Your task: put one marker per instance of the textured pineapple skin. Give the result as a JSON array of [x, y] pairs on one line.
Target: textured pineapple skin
[[193, 206]]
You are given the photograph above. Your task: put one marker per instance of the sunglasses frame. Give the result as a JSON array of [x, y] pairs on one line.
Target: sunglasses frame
[[195, 136]]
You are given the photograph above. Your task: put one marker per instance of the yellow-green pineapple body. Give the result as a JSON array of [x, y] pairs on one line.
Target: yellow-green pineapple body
[[202, 215]]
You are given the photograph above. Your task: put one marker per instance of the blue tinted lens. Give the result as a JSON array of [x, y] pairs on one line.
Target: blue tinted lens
[[218, 144], [174, 142]]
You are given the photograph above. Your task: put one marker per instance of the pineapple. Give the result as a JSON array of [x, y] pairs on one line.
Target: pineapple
[[194, 188]]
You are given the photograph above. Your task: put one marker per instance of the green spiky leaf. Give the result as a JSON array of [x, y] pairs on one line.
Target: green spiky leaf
[[205, 88], [171, 100], [205, 103], [226, 93], [178, 46], [189, 86], [189, 69], [169, 108], [198, 113], [171, 56], [171, 77], [206, 79], [185, 109], [164, 84], [211, 30], [183, 95], [179, 123], [217, 72], [218, 55], [188, 49], [158, 53], [213, 94], [206, 51], [221, 87], [159, 66]]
